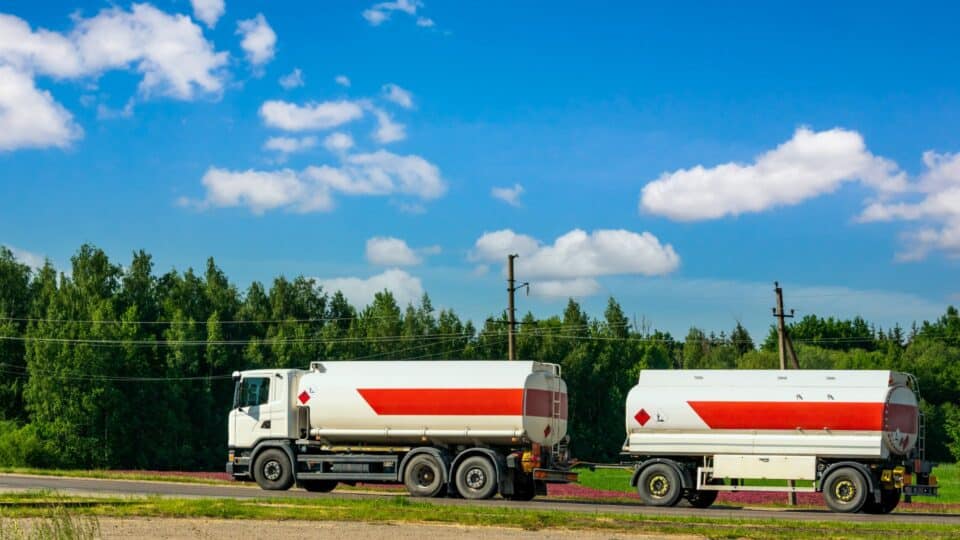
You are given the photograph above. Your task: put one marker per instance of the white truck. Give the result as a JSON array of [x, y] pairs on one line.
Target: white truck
[[467, 428], [855, 436]]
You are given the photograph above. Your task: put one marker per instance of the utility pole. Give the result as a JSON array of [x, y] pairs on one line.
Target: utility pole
[[785, 347], [511, 310]]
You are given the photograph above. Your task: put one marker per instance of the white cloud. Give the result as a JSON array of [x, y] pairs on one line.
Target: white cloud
[[395, 94], [33, 260], [208, 11], [338, 142], [290, 145], [379, 13], [30, 118], [577, 255], [259, 41], [312, 116], [360, 292], [292, 80], [387, 130], [263, 190], [379, 173], [169, 50], [508, 195], [565, 287], [809, 164], [425, 22], [938, 211], [342, 80], [389, 251]]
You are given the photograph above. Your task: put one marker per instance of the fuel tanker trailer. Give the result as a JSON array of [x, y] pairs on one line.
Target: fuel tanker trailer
[[855, 436], [473, 428]]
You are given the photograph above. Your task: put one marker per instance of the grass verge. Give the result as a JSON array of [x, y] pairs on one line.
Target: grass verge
[[404, 510], [118, 475]]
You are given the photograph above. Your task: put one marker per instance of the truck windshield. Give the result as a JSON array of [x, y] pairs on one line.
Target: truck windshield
[[251, 392]]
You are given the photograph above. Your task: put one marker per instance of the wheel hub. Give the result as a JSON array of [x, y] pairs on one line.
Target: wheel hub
[[476, 478], [658, 485], [425, 476], [845, 491], [272, 470]]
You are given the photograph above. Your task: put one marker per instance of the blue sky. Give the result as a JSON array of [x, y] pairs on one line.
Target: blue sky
[[680, 158]]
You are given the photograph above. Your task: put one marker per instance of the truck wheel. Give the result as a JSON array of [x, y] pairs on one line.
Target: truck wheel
[[889, 499], [845, 490], [318, 486], [659, 485], [476, 478], [424, 476], [272, 470], [524, 488]]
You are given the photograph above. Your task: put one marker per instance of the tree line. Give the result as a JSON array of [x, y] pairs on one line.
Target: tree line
[[113, 366]]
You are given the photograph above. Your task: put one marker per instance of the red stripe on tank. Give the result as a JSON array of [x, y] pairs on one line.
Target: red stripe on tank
[[790, 415], [444, 401]]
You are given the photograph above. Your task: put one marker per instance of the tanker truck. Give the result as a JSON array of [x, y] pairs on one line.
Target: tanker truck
[[465, 428], [855, 436]]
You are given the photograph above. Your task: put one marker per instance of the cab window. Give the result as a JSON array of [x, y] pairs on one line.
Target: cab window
[[254, 391]]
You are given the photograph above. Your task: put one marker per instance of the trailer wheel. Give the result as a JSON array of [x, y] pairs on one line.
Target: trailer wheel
[[476, 478], [318, 486], [845, 490], [273, 471], [659, 485], [703, 498], [889, 499], [423, 476]]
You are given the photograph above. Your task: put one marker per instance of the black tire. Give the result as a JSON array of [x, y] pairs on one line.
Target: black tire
[[273, 471], [845, 490], [703, 498], [318, 486], [423, 476], [659, 485], [524, 488], [476, 478], [889, 499]]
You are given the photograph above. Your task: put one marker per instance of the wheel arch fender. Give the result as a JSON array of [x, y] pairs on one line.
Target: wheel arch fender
[[442, 457], [499, 463], [872, 486], [267, 444], [686, 481]]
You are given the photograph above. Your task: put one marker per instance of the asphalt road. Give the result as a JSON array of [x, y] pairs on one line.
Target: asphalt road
[[86, 486]]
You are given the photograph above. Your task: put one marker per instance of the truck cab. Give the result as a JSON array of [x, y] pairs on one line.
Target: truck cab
[[262, 410]]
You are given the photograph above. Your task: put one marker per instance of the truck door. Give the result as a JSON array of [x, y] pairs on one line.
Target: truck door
[[252, 418]]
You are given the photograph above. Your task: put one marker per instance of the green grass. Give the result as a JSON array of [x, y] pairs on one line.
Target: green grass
[[116, 475], [404, 510], [51, 522]]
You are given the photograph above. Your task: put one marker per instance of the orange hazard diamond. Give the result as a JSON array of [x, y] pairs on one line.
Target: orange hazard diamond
[[642, 417]]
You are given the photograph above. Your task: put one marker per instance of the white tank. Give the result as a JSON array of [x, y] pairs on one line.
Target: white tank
[[862, 414], [416, 402]]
